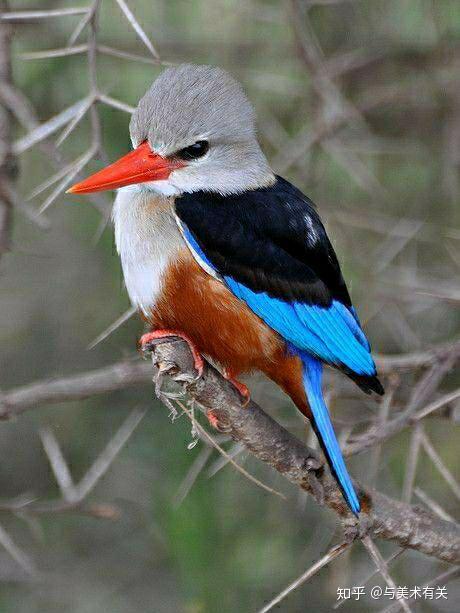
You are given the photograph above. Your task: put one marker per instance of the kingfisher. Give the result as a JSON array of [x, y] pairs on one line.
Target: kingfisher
[[220, 251]]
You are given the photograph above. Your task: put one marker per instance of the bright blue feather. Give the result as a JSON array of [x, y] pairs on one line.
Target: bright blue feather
[[195, 247], [313, 369], [329, 333]]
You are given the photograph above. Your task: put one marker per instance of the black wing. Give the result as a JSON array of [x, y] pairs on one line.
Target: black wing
[[271, 239]]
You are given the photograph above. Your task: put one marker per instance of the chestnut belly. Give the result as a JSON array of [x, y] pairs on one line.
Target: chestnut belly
[[221, 326]]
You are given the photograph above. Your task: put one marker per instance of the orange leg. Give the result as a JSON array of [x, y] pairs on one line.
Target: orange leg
[[241, 387], [213, 419], [148, 338]]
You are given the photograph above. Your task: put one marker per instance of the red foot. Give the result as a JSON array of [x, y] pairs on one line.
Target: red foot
[[146, 339], [241, 387], [213, 419]]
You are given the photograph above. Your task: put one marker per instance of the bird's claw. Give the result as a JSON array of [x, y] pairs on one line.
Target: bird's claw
[[219, 420], [242, 389], [149, 340]]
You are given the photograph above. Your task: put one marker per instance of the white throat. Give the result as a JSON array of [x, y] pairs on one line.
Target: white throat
[[147, 238]]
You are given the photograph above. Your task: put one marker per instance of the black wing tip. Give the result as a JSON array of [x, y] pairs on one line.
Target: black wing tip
[[368, 384]]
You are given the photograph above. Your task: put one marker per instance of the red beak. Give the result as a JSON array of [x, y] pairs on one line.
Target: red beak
[[138, 166]]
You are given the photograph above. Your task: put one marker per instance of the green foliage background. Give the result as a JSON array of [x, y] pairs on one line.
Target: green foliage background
[[229, 546]]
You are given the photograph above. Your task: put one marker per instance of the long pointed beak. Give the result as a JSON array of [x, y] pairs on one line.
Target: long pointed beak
[[138, 166]]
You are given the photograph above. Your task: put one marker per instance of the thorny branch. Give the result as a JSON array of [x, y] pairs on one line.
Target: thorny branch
[[382, 516], [131, 373]]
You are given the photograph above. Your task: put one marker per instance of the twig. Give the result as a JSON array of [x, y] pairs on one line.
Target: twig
[[412, 461], [128, 373], [442, 468], [82, 24], [137, 28], [60, 174], [126, 55], [113, 326], [73, 499], [116, 104], [365, 581], [433, 505], [7, 160], [16, 552], [92, 76], [222, 451], [75, 121], [441, 579], [43, 130], [28, 15], [100, 381], [425, 387], [381, 421], [105, 459], [333, 553], [437, 404], [47, 54], [67, 180], [383, 568], [221, 462], [58, 464], [192, 475]]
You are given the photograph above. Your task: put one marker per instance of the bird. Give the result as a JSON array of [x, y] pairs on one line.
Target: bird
[[220, 251]]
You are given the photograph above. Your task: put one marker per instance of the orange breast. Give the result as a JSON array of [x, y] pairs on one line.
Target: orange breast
[[221, 326]]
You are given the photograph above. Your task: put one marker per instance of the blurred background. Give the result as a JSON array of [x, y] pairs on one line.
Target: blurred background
[[359, 105]]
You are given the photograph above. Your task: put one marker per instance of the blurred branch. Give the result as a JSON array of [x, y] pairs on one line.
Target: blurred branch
[[71, 117], [331, 555], [100, 381], [382, 566], [32, 15], [418, 359], [74, 495], [381, 517], [137, 28], [16, 552], [7, 161], [415, 410], [441, 579]]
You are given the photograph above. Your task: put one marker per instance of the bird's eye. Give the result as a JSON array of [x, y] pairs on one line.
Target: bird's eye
[[195, 151]]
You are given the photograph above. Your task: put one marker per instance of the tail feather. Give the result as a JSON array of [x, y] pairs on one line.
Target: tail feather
[[312, 375]]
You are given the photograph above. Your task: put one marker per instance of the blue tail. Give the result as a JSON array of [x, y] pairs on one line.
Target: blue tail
[[312, 374]]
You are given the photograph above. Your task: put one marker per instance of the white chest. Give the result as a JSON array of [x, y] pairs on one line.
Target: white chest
[[147, 239]]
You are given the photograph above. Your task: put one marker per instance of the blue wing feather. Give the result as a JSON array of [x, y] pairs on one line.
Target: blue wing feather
[[332, 334], [317, 333]]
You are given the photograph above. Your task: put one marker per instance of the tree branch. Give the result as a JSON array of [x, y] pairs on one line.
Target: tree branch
[[129, 373], [382, 516], [77, 387]]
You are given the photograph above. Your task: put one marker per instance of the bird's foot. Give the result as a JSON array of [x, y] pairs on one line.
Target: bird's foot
[[241, 387], [213, 419], [219, 420], [151, 338]]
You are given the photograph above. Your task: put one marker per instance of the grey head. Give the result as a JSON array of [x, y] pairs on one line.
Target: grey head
[[189, 104]]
